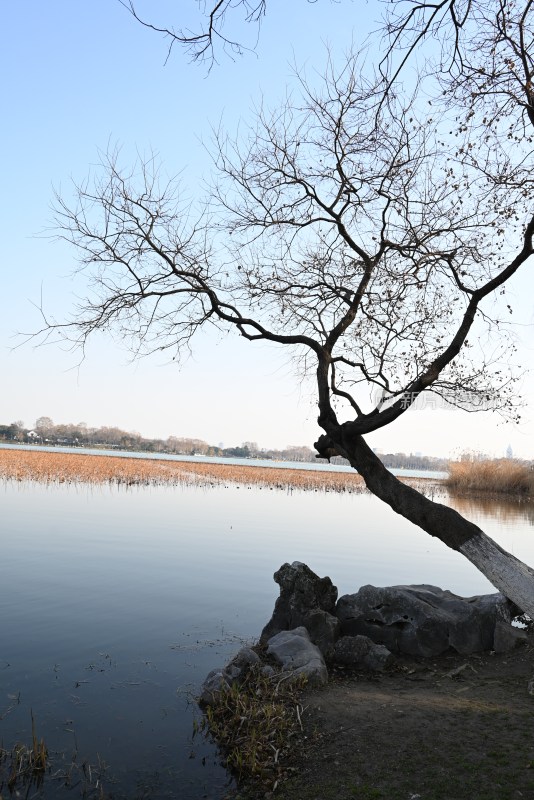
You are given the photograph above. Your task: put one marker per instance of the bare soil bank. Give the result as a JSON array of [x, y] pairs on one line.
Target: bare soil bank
[[452, 728]]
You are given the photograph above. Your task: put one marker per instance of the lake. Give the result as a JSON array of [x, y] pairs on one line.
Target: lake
[[117, 602]]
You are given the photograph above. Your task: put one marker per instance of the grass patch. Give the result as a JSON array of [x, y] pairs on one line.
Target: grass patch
[[497, 476], [257, 724]]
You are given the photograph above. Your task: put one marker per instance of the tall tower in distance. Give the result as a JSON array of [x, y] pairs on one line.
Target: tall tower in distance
[[509, 452]]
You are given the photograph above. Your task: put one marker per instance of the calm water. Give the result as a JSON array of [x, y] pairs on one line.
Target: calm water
[[116, 603]]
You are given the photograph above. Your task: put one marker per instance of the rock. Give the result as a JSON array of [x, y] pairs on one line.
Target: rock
[[424, 620], [305, 600], [214, 683], [507, 637], [233, 672], [245, 658], [359, 652], [324, 630], [295, 652]]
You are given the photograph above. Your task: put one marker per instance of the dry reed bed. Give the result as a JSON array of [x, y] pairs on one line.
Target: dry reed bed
[[499, 476], [45, 467]]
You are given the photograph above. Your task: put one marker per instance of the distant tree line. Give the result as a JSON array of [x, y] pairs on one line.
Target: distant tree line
[[46, 432], [81, 435], [411, 461]]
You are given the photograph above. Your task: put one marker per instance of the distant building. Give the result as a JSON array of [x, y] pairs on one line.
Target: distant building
[[509, 452]]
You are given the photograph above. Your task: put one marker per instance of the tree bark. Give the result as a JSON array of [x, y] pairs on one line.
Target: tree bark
[[507, 573]]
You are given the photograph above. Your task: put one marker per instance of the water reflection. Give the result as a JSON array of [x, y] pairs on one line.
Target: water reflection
[[503, 510]]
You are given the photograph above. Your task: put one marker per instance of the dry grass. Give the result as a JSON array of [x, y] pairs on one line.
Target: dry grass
[[257, 726], [78, 468], [26, 766], [45, 467], [499, 476]]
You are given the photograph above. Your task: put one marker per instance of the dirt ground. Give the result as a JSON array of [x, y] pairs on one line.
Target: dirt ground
[[450, 728]]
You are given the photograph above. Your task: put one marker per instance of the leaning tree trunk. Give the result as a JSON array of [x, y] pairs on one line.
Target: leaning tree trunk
[[509, 575]]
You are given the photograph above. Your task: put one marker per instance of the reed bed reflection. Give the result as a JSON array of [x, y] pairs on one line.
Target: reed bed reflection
[[506, 510]]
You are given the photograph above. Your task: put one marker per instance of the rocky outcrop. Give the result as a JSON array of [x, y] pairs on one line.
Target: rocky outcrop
[[305, 600], [308, 629], [425, 620]]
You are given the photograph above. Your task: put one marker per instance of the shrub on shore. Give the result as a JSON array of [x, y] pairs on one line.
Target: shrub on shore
[[496, 476]]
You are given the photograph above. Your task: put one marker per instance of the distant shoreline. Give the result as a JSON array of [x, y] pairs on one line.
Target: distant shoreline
[[249, 461]]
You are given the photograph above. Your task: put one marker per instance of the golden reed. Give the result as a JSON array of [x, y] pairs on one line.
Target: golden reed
[[498, 476], [46, 467]]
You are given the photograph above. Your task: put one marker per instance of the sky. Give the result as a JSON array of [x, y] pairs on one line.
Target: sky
[[81, 76]]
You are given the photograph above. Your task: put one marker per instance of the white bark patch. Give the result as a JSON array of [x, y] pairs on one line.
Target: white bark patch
[[510, 576]]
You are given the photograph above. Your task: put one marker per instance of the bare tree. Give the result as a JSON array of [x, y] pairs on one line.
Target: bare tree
[[485, 50], [355, 228], [44, 426], [460, 27], [212, 35]]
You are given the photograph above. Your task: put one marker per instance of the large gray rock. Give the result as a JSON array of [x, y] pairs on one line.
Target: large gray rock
[[359, 652], [305, 600], [423, 620], [296, 653]]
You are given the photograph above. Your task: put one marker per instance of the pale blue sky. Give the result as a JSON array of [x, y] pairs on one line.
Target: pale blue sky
[[77, 75]]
